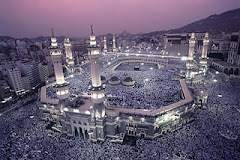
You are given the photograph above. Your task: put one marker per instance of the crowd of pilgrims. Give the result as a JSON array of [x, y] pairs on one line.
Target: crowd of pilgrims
[[214, 134], [153, 88], [25, 136]]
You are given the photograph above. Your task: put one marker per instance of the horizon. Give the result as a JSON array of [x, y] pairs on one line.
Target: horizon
[[33, 22]]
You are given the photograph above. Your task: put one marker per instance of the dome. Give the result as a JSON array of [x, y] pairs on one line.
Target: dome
[[128, 79], [114, 79]]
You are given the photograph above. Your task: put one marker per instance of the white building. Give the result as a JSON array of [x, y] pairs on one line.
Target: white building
[[30, 69], [43, 71], [15, 80], [26, 83], [50, 69]]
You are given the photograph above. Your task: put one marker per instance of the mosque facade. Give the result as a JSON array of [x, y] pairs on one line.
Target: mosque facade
[[89, 117]]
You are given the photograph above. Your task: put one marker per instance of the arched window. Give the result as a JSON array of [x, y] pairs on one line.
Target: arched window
[[236, 72], [231, 71], [226, 71]]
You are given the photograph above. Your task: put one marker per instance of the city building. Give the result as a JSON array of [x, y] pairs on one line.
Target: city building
[[220, 46], [31, 70], [177, 44], [43, 71], [15, 80], [50, 69], [26, 84], [234, 52], [232, 66], [6, 92]]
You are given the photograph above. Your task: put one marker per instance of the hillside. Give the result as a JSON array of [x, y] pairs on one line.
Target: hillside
[[227, 22]]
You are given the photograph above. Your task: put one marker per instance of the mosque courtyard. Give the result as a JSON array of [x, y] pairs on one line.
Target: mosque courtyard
[[153, 87]]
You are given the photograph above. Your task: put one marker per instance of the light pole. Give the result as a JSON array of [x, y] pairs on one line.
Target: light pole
[[90, 133]]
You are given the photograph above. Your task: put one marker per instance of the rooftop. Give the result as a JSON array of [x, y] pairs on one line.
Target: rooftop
[[80, 105]]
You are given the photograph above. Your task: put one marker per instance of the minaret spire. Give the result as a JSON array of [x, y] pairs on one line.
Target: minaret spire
[[52, 33], [91, 29], [92, 38]]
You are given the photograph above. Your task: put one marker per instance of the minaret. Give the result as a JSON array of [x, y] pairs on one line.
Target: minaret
[[69, 55], [105, 45], [205, 45], [190, 62], [97, 90], [192, 42], [56, 55], [203, 59], [114, 44]]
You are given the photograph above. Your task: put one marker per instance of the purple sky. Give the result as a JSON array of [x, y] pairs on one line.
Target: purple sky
[[30, 18]]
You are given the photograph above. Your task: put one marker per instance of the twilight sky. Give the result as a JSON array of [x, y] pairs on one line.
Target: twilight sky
[[31, 18]]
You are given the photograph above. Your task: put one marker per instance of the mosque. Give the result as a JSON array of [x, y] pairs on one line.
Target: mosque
[[89, 117]]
